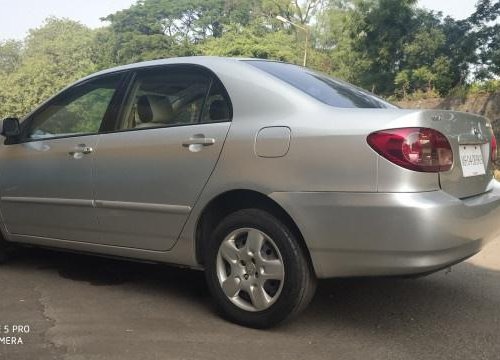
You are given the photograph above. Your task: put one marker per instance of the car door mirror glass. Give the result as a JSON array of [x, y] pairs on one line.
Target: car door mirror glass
[[11, 127]]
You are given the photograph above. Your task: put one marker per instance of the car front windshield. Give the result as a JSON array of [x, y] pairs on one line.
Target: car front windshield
[[324, 88]]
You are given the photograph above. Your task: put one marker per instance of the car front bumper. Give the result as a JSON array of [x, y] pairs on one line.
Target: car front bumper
[[385, 234]]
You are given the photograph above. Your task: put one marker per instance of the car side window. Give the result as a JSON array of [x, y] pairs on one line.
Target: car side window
[[166, 97], [217, 106], [78, 111]]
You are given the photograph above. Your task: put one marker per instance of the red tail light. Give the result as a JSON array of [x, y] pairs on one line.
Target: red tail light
[[418, 149], [493, 146]]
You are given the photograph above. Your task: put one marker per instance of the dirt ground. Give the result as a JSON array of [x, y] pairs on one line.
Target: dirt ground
[[82, 307]]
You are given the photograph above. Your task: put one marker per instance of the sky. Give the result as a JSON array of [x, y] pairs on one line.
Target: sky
[[18, 16], [458, 9]]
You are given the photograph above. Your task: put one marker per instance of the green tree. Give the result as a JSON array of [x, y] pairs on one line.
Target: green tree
[[367, 38], [153, 29], [444, 75], [427, 55], [423, 78], [10, 55], [253, 42], [54, 55], [421, 49], [486, 37], [403, 82]]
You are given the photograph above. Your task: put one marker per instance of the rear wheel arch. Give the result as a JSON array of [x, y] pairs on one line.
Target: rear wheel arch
[[231, 201]]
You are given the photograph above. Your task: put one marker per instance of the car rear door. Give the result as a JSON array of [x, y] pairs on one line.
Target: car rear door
[[46, 176], [151, 169]]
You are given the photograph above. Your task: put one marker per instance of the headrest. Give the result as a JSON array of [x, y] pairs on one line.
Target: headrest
[[154, 109], [219, 110]]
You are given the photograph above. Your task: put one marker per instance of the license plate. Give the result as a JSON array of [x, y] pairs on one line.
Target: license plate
[[471, 158]]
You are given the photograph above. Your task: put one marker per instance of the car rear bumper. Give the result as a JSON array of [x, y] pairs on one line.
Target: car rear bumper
[[384, 234]]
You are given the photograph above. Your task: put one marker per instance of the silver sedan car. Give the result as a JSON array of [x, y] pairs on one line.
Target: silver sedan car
[[266, 175]]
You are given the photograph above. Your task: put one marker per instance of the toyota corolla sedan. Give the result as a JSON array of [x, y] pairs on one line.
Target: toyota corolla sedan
[[266, 175]]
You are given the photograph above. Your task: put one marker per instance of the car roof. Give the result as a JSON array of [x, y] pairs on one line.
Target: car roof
[[207, 61]]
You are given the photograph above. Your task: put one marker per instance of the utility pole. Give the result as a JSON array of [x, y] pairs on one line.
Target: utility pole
[[304, 29]]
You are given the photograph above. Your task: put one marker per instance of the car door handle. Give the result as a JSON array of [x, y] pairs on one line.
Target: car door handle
[[82, 149], [204, 141]]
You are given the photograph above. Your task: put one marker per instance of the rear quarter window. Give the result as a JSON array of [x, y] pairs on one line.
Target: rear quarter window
[[326, 89]]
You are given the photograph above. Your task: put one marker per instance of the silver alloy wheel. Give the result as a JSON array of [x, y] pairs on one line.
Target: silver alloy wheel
[[250, 269]]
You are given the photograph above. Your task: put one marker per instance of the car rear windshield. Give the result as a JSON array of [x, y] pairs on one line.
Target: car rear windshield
[[328, 90]]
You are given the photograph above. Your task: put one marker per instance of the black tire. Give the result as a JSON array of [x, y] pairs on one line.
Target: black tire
[[299, 282]]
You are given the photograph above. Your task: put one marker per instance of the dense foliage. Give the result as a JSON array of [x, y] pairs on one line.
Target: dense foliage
[[391, 47]]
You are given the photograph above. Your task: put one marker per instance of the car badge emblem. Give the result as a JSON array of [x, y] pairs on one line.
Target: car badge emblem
[[477, 133]]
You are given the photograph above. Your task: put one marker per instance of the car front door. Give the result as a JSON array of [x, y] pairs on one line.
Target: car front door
[[46, 175], [150, 171]]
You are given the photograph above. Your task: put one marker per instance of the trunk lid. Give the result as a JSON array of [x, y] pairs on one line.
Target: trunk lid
[[470, 138]]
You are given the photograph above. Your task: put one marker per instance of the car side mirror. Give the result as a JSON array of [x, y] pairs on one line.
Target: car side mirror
[[11, 127]]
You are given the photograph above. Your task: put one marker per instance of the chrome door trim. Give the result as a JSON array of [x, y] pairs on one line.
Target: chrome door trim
[[48, 201], [171, 209], [122, 205]]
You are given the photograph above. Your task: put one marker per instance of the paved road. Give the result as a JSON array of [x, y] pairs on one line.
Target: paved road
[[80, 307]]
